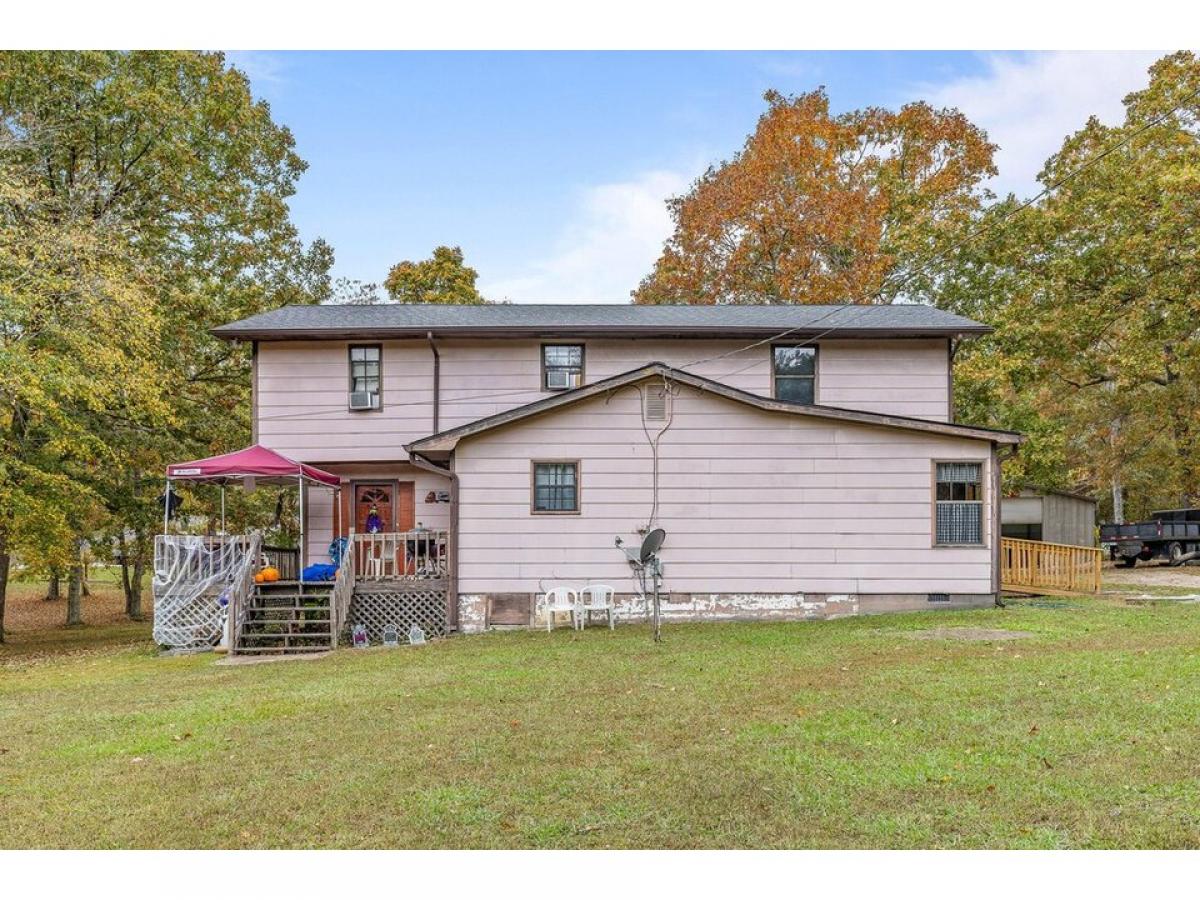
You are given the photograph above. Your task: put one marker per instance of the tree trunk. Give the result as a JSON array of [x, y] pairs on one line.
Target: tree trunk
[[126, 585], [5, 559], [75, 590], [135, 602], [53, 589]]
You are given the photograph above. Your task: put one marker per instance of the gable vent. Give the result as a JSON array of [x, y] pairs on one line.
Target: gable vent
[[654, 404]]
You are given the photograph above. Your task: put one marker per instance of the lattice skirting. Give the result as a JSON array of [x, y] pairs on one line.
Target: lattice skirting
[[379, 604]]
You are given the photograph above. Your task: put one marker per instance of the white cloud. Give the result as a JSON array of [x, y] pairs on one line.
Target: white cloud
[[1028, 103], [262, 67], [609, 244]]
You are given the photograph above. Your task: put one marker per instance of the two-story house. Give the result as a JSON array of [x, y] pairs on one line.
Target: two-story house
[[803, 460]]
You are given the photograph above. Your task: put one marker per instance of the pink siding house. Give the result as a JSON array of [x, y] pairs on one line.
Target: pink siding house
[[804, 461]]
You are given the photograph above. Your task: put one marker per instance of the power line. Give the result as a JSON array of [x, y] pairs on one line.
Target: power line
[[1087, 164]]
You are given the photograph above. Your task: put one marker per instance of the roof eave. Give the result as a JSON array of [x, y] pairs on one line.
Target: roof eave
[[233, 333]]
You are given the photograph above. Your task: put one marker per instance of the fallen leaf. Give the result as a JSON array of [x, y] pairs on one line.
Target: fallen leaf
[[991, 789], [136, 759], [895, 721], [1046, 763], [515, 723], [1033, 729]]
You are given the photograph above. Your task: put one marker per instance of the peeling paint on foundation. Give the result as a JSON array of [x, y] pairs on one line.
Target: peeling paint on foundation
[[479, 611], [472, 613], [718, 607]]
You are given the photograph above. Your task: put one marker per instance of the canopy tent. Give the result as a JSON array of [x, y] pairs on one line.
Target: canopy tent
[[258, 462], [252, 465]]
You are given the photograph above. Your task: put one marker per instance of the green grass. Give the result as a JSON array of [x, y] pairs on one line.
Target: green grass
[[819, 734]]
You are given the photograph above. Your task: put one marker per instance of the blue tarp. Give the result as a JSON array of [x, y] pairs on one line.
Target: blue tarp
[[319, 572]]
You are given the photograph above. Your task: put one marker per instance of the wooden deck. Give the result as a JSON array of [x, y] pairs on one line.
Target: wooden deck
[[1037, 567]]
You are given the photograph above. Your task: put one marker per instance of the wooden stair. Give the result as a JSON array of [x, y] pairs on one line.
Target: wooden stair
[[287, 617]]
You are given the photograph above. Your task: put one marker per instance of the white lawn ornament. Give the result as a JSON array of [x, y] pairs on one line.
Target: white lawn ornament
[[391, 636], [358, 637], [416, 635]]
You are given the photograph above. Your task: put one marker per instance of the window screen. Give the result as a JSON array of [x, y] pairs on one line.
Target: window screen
[[795, 370], [959, 503], [555, 487], [365, 369], [562, 366]]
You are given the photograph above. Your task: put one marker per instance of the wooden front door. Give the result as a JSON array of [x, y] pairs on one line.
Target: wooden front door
[[393, 501], [381, 497]]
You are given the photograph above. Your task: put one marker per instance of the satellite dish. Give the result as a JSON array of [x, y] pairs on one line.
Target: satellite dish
[[651, 544]]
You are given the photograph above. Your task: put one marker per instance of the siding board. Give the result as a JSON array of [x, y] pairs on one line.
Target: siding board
[[829, 509]]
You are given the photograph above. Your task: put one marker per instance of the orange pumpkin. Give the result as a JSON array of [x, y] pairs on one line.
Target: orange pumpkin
[[270, 573], [258, 578]]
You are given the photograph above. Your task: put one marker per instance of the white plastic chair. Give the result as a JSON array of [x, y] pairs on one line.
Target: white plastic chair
[[381, 559], [597, 598], [562, 599]]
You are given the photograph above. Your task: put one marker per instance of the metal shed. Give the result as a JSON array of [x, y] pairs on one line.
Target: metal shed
[[1057, 517]]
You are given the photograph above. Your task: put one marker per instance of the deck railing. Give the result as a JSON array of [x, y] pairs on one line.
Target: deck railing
[[420, 553], [343, 593], [285, 560], [241, 589], [1039, 567]]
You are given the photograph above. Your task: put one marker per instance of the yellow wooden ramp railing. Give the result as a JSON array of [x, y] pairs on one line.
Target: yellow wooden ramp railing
[[1035, 567]]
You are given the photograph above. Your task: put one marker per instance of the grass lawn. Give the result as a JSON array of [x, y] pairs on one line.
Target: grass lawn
[[848, 733]]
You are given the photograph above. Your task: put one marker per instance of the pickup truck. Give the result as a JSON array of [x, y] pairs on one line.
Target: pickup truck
[[1169, 534]]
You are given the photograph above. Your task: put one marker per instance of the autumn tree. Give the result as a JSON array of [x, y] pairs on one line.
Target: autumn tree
[[79, 327], [819, 207], [1094, 292], [443, 278], [170, 149]]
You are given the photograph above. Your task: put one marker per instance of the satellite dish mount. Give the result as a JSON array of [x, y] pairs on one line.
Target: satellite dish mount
[[647, 564]]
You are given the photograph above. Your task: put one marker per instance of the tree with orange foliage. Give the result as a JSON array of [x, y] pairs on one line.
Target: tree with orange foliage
[[821, 208]]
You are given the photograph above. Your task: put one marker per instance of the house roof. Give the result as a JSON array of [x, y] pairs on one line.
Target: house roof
[[446, 441], [398, 320]]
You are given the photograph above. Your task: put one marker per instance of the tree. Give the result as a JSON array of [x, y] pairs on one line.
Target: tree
[[822, 208], [1095, 296], [78, 328], [443, 278], [170, 149]]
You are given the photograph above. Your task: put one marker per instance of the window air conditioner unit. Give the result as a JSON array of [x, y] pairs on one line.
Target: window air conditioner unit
[[364, 400], [561, 380]]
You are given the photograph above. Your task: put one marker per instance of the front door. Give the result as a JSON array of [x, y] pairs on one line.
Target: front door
[[377, 497]]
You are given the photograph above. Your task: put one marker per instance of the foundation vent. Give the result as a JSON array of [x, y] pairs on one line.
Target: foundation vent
[[939, 598]]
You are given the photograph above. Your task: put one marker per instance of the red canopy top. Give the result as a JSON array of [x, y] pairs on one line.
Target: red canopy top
[[253, 462]]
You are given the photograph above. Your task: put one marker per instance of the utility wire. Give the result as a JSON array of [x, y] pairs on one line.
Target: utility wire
[[970, 236], [1084, 166]]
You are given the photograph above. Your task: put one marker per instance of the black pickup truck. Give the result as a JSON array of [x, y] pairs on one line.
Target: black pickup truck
[[1170, 534]]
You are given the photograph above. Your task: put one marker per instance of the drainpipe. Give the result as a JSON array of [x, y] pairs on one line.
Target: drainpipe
[[452, 540], [437, 383], [999, 455]]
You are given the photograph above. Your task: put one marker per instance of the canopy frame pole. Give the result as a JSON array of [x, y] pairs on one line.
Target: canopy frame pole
[[300, 551], [223, 531], [167, 507]]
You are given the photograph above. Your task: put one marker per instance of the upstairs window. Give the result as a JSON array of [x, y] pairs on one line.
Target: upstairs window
[[366, 376], [556, 487], [959, 503], [794, 373], [562, 366]]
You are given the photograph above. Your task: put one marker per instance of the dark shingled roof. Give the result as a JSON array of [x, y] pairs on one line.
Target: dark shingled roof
[[536, 319]]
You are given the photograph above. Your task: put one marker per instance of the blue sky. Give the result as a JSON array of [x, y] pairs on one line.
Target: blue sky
[[550, 169]]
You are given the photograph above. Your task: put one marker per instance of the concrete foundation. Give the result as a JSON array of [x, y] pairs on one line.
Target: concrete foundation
[[478, 612]]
